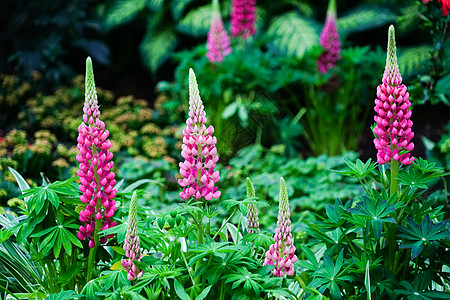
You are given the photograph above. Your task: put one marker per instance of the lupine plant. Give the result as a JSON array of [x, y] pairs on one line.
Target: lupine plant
[[218, 44], [131, 245], [335, 107], [281, 254], [329, 40], [389, 242], [392, 242], [243, 18], [252, 210], [97, 179]]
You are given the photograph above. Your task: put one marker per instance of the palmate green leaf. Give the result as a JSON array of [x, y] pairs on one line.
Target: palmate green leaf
[[156, 47], [197, 21], [411, 60], [122, 11], [358, 169], [364, 17], [250, 281], [292, 34], [90, 290], [413, 178], [417, 236], [376, 212], [259, 239], [426, 166], [115, 279], [311, 263]]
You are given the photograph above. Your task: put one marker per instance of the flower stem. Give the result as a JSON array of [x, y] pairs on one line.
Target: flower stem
[[394, 174]]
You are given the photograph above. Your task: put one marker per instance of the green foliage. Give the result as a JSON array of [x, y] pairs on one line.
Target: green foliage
[[291, 34], [196, 22], [44, 37], [362, 18], [156, 48], [122, 12], [363, 246]]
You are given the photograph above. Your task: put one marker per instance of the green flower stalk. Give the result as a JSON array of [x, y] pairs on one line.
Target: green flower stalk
[[252, 211], [131, 245]]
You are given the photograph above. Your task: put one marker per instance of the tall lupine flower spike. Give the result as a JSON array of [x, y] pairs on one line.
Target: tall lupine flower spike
[[252, 211], [243, 18], [131, 245], [218, 43], [97, 179], [329, 40], [393, 125], [281, 254], [198, 150]]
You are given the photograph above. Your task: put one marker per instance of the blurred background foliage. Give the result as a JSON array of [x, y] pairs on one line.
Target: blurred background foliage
[[266, 100]]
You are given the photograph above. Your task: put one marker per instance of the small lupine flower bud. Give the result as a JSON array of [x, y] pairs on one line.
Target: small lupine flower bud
[[281, 254], [243, 18], [329, 40], [218, 43], [252, 211], [393, 126], [131, 245], [95, 163], [197, 169]]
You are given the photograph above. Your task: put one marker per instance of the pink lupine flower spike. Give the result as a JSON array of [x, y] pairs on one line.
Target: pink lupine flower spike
[[97, 179], [218, 43], [198, 150], [329, 40], [131, 245], [243, 18], [393, 125], [281, 254]]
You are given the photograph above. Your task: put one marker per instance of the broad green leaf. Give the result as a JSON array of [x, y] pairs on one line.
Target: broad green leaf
[[157, 47], [58, 243], [155, 5], [230, 110], [292, 34], [410, 60], [204, 293], [66, 241], [23, 185], [90, 290], [178, 6], [122, 11], [118, 250], [116, 266], [197, 21], [53, 197], [41, 197], [443, 84], [64, 295], [180, 290], [363, 18]]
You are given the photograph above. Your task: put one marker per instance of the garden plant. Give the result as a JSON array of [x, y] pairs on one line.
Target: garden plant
[[114, 200]]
